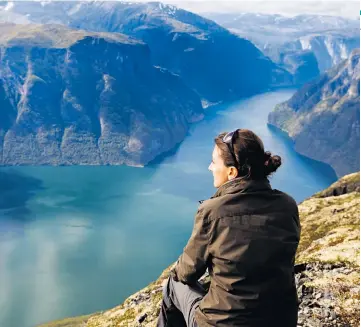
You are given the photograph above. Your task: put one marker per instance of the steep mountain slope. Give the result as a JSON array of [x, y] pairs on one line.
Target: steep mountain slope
[[323, 117], [76, 97]]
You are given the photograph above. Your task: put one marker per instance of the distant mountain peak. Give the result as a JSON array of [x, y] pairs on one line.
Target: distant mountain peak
[[165, 8]]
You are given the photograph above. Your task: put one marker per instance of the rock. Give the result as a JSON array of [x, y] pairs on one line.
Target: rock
[[318, 296], [300, 268], [141, 318], [315, 304]]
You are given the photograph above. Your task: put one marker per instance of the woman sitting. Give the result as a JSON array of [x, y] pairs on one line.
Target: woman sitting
[[246, 235]]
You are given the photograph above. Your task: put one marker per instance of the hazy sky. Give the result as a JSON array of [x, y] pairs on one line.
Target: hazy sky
[[348, 8]]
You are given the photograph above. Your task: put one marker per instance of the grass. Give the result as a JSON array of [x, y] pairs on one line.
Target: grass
[[69, 322], [128, 315], [313, 233], [348, 304], [156, 298]]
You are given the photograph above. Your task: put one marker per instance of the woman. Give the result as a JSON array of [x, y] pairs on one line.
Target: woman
[[246, 235]]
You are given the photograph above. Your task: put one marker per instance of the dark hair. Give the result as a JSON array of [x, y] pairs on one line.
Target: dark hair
[[253, 161]]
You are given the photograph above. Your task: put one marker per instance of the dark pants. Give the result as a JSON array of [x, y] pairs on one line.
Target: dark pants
[[179, 304]]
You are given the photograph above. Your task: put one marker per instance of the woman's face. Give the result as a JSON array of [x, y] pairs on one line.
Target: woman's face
[[221, 173]]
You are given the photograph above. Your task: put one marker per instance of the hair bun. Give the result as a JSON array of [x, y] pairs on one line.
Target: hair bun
[[267, 156], [271, 163]]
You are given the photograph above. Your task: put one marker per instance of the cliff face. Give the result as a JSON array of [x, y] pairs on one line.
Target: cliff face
[[323, 117], [327, 270], [329, 49], [75, 97], [215, 63], [91, 95]]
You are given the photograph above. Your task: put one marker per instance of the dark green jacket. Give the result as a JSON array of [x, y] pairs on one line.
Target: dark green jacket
[[247, 236]]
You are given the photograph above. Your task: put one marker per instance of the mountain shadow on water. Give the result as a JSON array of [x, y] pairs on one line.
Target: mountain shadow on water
[[15, 191]]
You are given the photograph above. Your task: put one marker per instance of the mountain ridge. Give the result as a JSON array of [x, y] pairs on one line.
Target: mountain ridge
[[199, 50], [70, 105], [317, 41], [322, 117]]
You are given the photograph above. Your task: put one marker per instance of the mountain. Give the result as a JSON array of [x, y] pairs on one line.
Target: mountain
[[323, 117], [77, 97], [305, 44], [212, 61], [327, 270]]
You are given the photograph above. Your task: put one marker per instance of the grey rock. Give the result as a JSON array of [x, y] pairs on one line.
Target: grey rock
[[141, 318]]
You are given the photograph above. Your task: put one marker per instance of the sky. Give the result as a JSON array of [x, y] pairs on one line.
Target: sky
[[347, 8]]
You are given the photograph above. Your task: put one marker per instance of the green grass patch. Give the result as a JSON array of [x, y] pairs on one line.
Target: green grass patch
[[69, 322]]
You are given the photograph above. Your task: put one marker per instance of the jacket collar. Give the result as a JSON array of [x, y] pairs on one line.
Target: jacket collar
[[240, 184]]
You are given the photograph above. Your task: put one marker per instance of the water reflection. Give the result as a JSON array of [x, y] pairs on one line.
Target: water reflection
[[15, 191]]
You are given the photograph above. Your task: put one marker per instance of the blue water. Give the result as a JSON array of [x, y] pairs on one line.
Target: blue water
[[75, 240]]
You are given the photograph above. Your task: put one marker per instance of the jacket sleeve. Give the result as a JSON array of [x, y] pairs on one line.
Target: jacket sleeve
[[192, 264]]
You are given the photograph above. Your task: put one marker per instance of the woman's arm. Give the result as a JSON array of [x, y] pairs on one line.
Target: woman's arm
[[192, 264]]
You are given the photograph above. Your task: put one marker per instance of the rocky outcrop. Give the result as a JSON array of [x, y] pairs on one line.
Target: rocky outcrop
[[327, 270], [328, 256], [75, 97], [328, 294], [323, 117], [330, 225], [305, 45], [212, 61], [347, 184]]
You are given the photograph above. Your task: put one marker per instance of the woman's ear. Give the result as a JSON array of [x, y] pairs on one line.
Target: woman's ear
[[232, 173]]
